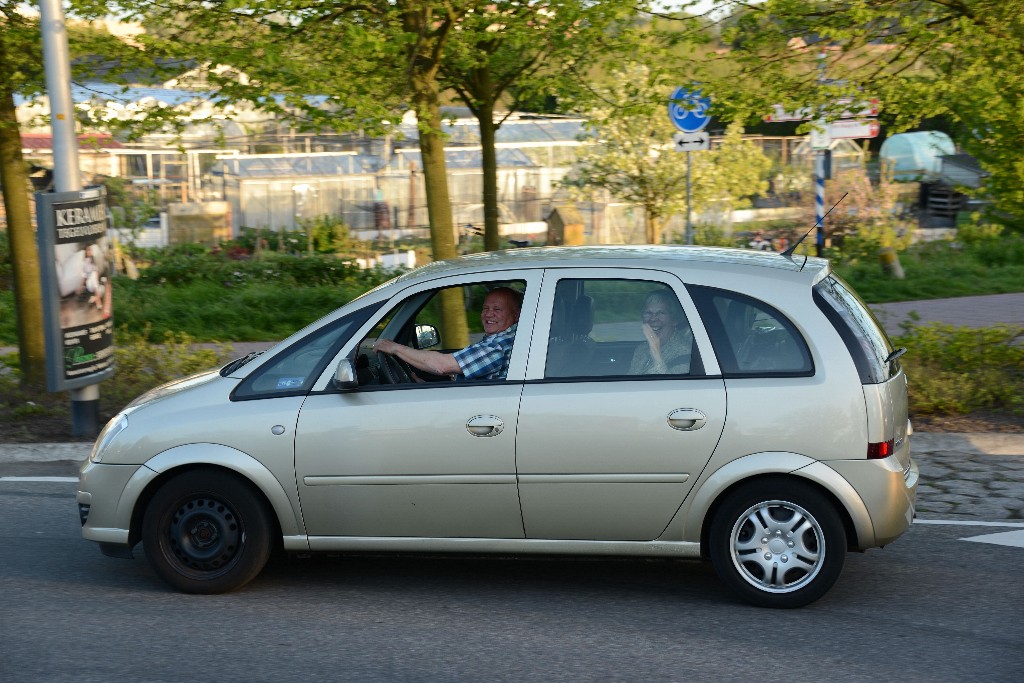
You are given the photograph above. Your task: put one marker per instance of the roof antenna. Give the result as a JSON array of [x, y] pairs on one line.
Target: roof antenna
[[789, 252]]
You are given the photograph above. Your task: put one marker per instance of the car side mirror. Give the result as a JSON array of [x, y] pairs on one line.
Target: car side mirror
[[427, 336], [345, 375]]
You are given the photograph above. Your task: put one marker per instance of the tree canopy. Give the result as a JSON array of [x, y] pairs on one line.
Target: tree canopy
[[632, 155], [962, 61], [514, 53]]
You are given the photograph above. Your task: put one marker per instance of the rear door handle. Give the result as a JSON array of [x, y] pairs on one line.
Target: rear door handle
[[485, 425], [686, 419]]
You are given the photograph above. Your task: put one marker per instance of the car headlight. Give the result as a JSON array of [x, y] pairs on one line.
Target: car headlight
[[117, 424]]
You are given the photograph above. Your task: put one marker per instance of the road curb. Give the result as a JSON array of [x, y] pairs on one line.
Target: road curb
[[980, 443], [44, 452]]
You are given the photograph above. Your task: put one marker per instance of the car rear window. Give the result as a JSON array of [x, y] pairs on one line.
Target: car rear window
[[751, 338], [861, 332]]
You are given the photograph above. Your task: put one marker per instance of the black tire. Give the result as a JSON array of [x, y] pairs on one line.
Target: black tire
[[777, 543], [207, 531]]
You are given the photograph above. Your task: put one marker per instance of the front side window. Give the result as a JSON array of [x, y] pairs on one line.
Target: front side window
[[476, 347], [607, 327], [293, 371], [750, 337]]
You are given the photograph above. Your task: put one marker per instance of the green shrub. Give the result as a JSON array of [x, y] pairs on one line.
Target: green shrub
[[941, 269], [140, 366], [178, 267], [212, 312], [957, 370], [711, 236]]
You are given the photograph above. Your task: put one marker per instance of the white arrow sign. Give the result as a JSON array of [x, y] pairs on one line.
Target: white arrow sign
[[692, 142]]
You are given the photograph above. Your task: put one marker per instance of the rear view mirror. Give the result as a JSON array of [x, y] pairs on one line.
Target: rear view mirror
[[345, 375], [427, 336]]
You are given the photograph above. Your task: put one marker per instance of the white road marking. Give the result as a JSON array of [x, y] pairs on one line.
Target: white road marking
[[68, 480], [961, 522], [1014, 539]]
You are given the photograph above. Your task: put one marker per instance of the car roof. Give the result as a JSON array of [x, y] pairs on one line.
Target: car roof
[[623, 256]]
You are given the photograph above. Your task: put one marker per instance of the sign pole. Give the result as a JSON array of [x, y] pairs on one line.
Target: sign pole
[[688, 112], [85, 400], [689, 221], [819, 201]]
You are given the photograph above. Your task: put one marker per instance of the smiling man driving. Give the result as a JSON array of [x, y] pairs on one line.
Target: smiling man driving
[[486, 359]]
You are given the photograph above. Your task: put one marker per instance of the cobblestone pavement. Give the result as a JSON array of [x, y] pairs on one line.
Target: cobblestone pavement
[[970, 486]]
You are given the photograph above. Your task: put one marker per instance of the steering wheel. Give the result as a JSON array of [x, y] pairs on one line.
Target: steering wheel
[[395, 370]]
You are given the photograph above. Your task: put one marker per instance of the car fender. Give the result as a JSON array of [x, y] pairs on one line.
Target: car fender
[[217, 455], [710, 489]]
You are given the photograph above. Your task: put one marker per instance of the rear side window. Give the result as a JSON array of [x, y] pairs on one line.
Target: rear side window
[[599, 328], [751, 338], [863, 335]]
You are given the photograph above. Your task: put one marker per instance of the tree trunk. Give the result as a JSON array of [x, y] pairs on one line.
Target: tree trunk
[[652, 225], [439, 209], [28, 296], [489, 160]]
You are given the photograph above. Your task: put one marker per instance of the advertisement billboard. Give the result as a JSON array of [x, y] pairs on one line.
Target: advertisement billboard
[[75, 262]]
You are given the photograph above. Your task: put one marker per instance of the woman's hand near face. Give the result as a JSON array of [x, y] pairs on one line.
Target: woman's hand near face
[[652, 340]]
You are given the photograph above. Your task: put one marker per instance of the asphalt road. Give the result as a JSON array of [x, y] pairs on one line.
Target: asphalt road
[[930, 607]]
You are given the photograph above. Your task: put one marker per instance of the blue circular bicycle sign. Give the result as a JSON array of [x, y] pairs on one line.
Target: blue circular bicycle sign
[[688, 110]]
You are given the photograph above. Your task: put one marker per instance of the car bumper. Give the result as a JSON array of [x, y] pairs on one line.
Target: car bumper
[[105, 506], [888, 491]]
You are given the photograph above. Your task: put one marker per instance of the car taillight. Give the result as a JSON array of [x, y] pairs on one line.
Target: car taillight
[[880, 449]]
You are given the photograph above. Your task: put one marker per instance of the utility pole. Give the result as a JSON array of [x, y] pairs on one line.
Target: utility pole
[[67, 177]]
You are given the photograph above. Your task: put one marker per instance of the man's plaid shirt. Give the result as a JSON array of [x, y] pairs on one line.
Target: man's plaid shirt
[[489, 357]]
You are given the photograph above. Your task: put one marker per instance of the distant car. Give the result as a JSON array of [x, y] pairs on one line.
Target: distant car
[[775, 440]]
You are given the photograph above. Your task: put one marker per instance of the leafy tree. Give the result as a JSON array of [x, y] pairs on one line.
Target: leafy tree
[[20, 72], [514, 53], [338, 65], [959, 60], [632, 156]]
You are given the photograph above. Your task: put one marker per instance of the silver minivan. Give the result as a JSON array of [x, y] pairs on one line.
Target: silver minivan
[[770, 437]]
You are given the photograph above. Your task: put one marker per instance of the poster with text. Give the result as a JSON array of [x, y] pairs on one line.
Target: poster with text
[[75, 261]]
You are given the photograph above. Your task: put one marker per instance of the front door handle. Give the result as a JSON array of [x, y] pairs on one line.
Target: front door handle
[[686, 419], [485, 425]]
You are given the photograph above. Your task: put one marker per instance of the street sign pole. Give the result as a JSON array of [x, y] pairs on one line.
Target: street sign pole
[[689, 221], [688, 111], [819, 201]]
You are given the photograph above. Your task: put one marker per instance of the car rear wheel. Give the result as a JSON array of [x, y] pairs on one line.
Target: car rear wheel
[[206, 531], [777, 543]]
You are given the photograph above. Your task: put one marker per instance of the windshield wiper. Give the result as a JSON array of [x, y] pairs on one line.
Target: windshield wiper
[[238, 362], [895, 354]]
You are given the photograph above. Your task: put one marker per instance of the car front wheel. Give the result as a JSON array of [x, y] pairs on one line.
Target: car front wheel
[[206, 531], [777, 543]]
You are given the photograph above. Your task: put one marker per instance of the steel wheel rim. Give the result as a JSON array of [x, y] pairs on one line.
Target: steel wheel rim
[[205, 537], [777, 546]]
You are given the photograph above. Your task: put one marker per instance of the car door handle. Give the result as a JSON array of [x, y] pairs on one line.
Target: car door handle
[[485, 425], [686, 419]]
